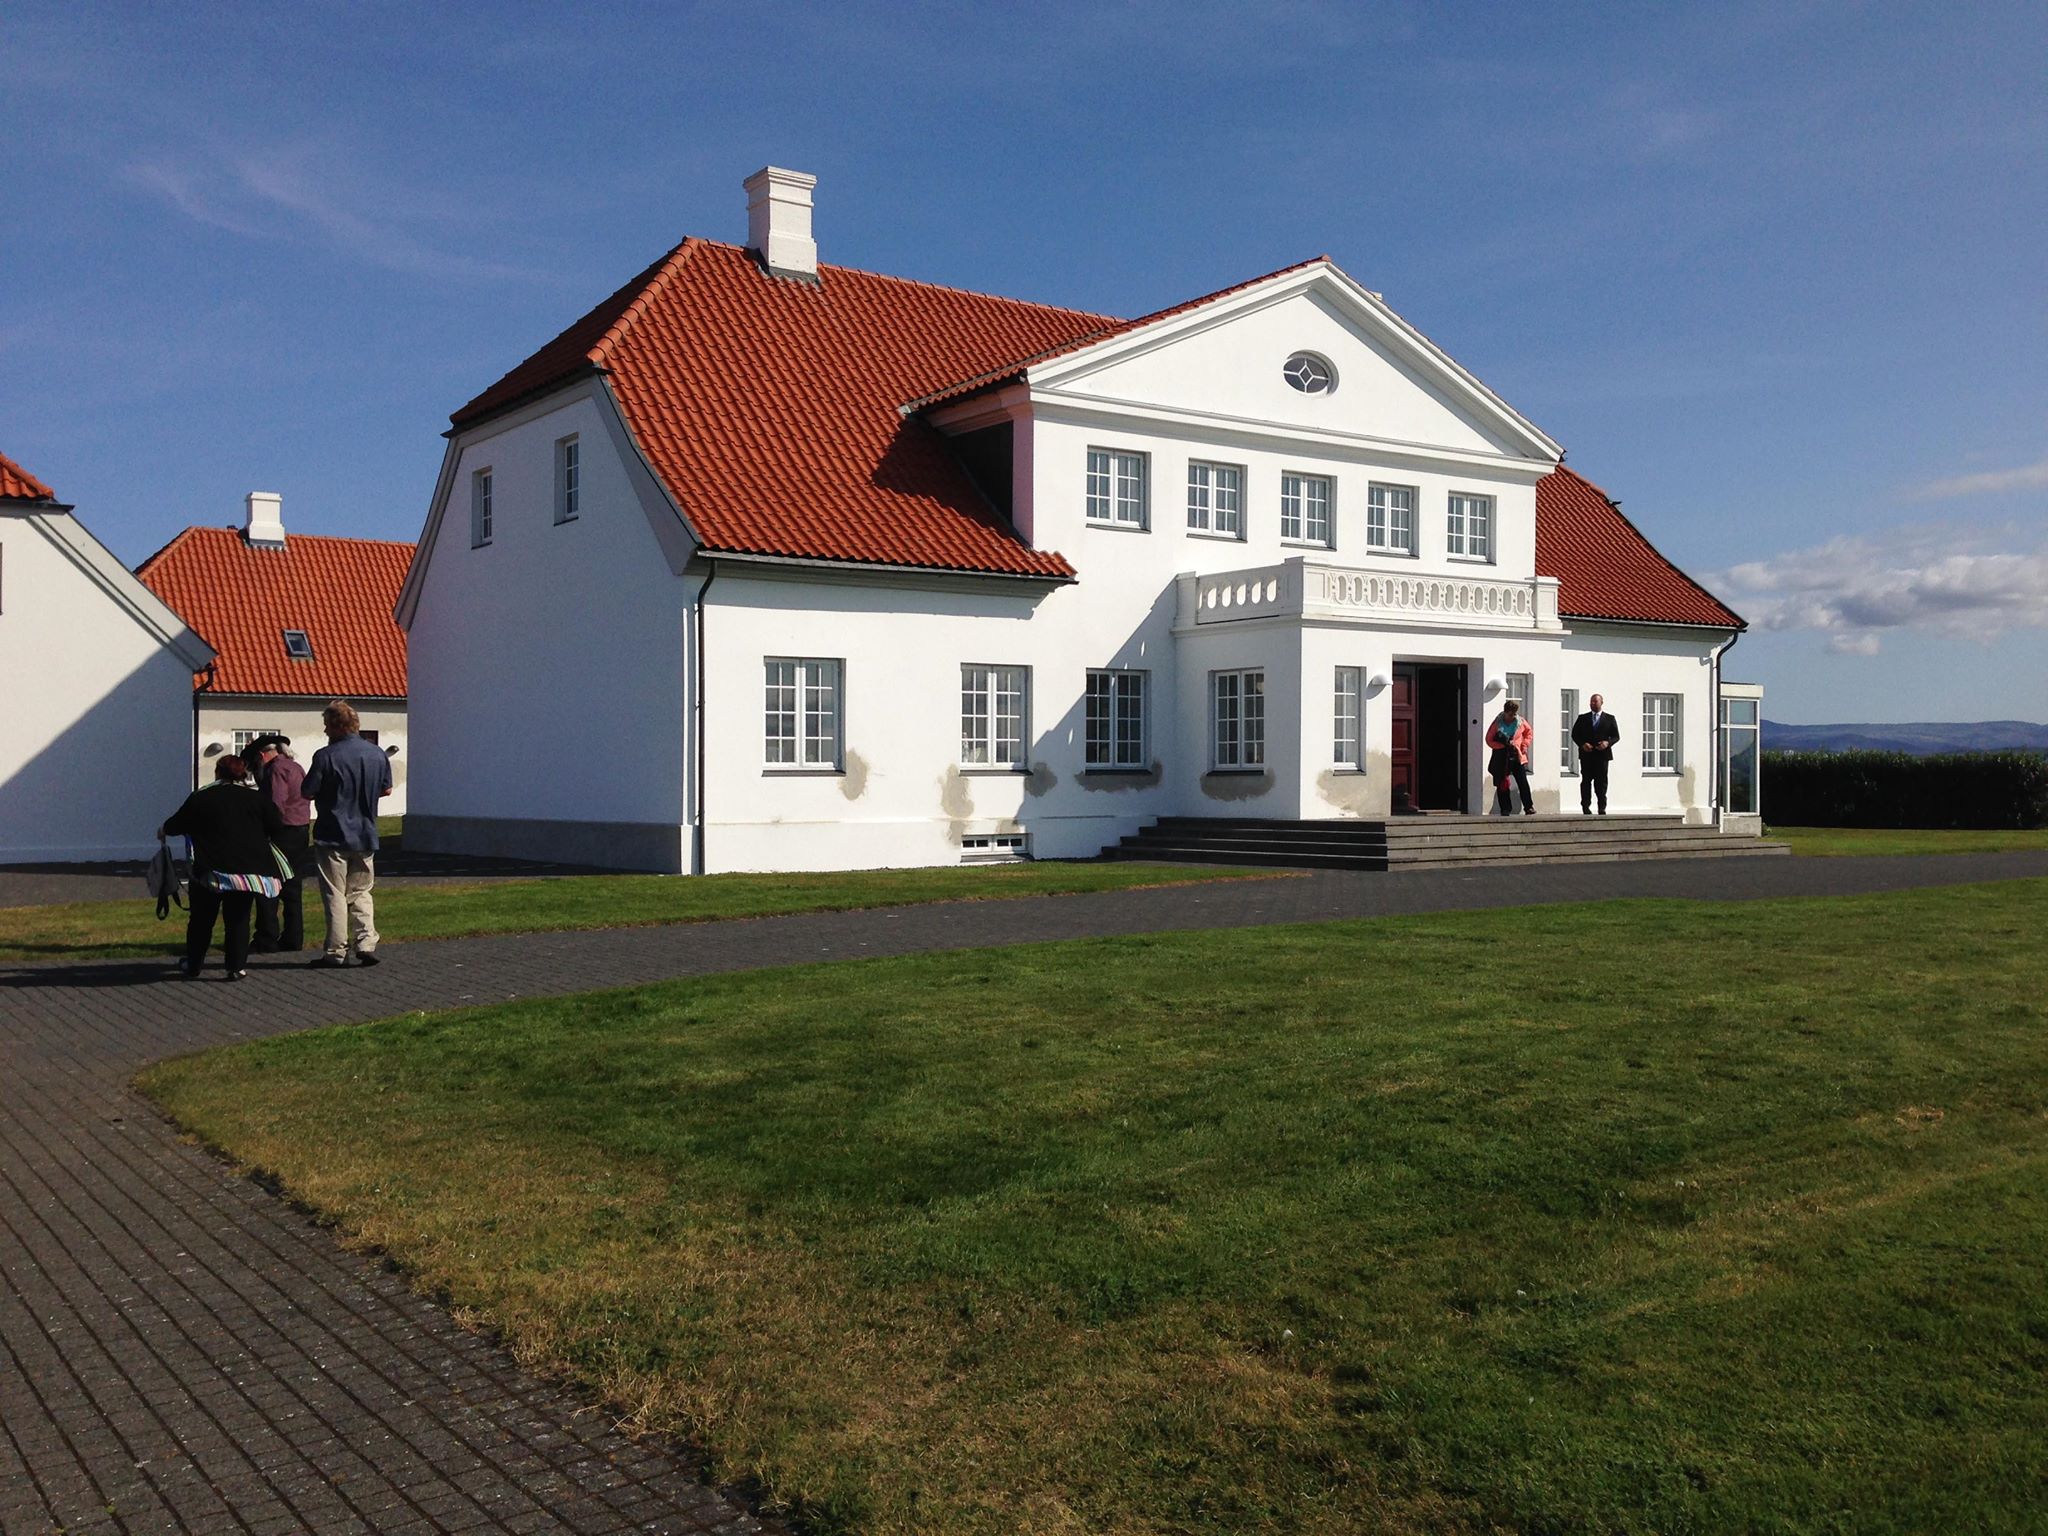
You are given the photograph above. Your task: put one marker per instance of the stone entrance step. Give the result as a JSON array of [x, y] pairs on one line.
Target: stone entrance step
[[1432, 841]]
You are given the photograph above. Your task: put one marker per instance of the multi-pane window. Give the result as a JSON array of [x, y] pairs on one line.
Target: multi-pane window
[[1567, 717], [994, 703], [1390, 518], [568, 479], [1216, 499], [1660, 730], [1116, 719], [1348, 749], [1468, 531], [1740, 744], [480, 508], [1237, 719], [1305, 509], [1116, 488], [803, 713], [243, 738]]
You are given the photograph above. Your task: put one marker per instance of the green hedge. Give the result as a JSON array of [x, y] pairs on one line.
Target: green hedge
[[1897, 789]]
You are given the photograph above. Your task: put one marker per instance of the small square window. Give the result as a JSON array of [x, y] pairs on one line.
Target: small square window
[[1116, 488], [1216, 499], [298, 645], [1468, 527], [1305, 510]]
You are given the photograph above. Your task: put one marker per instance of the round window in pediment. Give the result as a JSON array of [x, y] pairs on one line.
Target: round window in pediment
[[1310, 374]]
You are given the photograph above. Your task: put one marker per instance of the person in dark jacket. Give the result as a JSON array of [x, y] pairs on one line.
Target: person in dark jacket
[[1594, 733], [347, 779], [231, 827], [281, 924]]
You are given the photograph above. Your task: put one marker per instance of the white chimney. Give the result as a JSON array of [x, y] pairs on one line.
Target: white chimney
[[265, 525], [779, 221]]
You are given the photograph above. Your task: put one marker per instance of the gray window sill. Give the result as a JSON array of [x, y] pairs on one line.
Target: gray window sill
[[1120, 527], [994, 770], [1237, 773], [1221, 538], [801, 771]]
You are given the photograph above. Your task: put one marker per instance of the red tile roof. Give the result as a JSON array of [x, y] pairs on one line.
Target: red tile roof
[[1016, 367], [1604, 566], [772, 408], [17, 484], [241, 600]]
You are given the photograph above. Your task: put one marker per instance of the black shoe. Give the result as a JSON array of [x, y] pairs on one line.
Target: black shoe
[[327, 962], [236, 976], [366, 957], [262, 947]]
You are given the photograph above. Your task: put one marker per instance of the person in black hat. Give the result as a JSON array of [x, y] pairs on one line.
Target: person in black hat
[[281, 923]]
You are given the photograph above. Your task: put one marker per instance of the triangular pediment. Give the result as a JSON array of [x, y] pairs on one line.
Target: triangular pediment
[[1227, 360]]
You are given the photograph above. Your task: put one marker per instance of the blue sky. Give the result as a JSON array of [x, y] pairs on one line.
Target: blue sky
[[1774, 274]]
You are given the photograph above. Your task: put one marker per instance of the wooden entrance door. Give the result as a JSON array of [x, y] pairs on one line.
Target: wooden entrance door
[[1404, 785]]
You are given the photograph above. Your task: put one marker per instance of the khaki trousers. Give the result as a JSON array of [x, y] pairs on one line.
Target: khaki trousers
[[346, 880]]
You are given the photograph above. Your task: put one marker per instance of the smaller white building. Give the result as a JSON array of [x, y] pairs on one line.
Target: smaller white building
[[95, 690], [296, 621]]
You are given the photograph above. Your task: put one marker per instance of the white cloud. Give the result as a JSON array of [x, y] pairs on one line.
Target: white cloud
[[1855, 589], [2028, 477], [300, 194]]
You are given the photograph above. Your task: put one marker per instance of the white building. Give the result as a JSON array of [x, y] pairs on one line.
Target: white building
[[95, 690], [765, 564], [297, 622]]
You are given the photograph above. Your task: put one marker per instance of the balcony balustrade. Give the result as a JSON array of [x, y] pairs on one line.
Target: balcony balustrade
[[1307, 588]]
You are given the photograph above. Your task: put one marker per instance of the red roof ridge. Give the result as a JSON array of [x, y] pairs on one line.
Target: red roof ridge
[[17, 484], [600, 350]]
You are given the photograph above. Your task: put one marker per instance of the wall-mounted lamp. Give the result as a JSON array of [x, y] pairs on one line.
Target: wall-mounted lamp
[[214, 749], [1495, 685], [391, 751]]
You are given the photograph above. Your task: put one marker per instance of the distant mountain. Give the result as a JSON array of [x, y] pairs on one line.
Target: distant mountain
[[1920, 738]]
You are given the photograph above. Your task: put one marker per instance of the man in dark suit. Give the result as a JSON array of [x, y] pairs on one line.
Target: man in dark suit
[[1594, 733]]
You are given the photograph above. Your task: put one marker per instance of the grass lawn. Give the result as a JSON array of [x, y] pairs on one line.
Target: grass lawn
[[1639, 1216], [1834, 841], [115, 929]]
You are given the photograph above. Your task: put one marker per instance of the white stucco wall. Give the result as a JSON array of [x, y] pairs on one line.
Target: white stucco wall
[[299, 718], [97, 740], [546, 668]]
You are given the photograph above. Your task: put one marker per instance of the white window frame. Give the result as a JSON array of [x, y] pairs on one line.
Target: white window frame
[[1468, 526], [1663, 743], [480, 518], [1119, 480], [568, 479], [1730, 730], [985, 687], [243, 738], [995, 847], [1206, 496], [1237, 719], [803, 728], [1347, 736], [1116, 698], [1383, 534], [1568, 712], [305, 637], [1295, 508]]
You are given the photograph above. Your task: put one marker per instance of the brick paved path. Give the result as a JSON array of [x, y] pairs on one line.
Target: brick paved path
[[181, 1351]]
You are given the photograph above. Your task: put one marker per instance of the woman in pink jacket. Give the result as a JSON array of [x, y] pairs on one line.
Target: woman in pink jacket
[[1511, 739]]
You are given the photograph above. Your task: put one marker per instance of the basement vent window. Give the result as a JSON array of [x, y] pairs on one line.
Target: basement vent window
[[297, 646], [994, 847]]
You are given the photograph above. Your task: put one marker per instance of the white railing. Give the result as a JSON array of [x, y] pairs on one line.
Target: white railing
[[1305, 588]]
